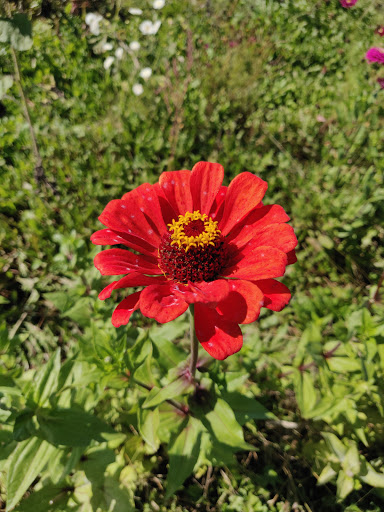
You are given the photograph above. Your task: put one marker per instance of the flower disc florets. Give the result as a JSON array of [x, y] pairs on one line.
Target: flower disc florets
[[193, 249]]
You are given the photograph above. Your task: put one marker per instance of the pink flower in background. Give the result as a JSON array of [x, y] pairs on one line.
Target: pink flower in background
[[375, 55], [380, 81], [380, 31], [348, 3]]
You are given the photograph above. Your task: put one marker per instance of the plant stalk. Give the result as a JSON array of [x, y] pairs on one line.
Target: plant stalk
[[39, 171], [194, 342]]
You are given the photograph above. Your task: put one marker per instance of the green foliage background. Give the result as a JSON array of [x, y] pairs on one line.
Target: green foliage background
[[280, 89]]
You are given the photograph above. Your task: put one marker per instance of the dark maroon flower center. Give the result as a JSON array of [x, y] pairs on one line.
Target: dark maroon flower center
[[193, 249]]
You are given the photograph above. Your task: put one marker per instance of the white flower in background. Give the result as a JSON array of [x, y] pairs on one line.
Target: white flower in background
[[135, 11], [119, 53], [92, 19], [145, 73], [158, 4], [149, 28], [108, 62], [137, 89], [134, 46], [107, 47]]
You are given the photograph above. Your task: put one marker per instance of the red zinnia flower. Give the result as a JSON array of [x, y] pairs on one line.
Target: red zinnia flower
[[198, 242], [380, 81], [375, 55], [348, 3], [380, 31]]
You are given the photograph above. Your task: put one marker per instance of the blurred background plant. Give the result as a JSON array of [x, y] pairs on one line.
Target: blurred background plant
[[97, 97]]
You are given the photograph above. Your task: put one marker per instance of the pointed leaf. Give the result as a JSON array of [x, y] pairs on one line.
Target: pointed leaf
[[46, 380], [26, 463], [6, 82], [148, 424], [226, 429], [183, 455], [71, 427], [335, 445], [326, 475], [345, 485], [246, 408], [176, 388], [305, 392]]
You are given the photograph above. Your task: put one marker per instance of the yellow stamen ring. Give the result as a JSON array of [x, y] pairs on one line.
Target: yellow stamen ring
[[206, 237]]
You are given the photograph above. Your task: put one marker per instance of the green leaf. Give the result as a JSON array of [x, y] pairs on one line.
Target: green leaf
[[246, 408], [326, 475], [21, 36], [176, 388], [335, 445], [25, 464], [351, 462], [148, 424], [63, 301], [371, 477], [143, 373], [37, 501], [170, 421], [80, 312], [305, 392], [6, 30], [46, 380], [183, 455], [4, 337], [71, 427], [166, 352], [6, 83], [226, 429], [24, 426], [343, 364], [345, 485]]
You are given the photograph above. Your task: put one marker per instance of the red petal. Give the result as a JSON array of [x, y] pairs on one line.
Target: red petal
[[145, 198], [280, 236], [176, 188], [206, 180], [132, 279], [291, 255], [167, 211], [126, 217], [243, 304], [255, 222], [276, 294], [206, 293], [217, 208], [114, 262], [219, 337], [110, 237], [124, 310], [159, 302], [262, 263], [244, 193]]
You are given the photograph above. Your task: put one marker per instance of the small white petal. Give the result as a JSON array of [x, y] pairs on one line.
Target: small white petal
[[134, 46], [92, 17], [156, 26], [119, 53], [135, 11], [137, 89], [108, 62], [146, 27], [107, 47], [158, 4], [145, 73]]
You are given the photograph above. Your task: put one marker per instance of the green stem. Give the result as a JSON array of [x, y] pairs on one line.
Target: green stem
[[39, 171], [194, 342]]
